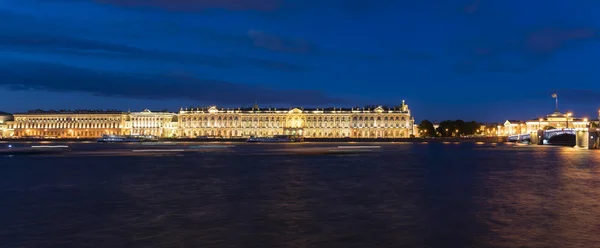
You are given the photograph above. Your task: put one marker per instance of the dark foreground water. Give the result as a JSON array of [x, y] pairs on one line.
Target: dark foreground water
[[400, 195]]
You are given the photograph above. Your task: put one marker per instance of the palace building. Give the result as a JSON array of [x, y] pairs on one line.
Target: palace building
[[375, 122], [378, 122], [69, 124], [159, 124], [5, 120]]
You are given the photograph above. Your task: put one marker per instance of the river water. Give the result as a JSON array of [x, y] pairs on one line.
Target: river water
[[253, 195]]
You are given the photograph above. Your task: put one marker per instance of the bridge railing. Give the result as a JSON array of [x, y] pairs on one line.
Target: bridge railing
[[517, 137]]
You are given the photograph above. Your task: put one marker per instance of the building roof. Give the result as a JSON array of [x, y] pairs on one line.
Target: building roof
[[5, 117], [75, 111], [372, 108], [515, 121]]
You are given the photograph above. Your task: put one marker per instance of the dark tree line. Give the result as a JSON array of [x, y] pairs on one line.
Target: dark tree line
[[448, 128]]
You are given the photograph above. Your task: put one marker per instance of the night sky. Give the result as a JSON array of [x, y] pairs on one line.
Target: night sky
[[487, 60]]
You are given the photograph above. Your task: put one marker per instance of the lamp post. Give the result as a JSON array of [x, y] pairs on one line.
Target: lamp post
[[568, 115]]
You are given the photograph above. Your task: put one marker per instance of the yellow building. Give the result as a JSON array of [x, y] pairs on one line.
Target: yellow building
[[160, 124], [557, 120], [319, 123], [513, 127], [69, 124], [5, 123]]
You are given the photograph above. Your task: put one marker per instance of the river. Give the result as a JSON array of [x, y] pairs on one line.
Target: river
[[266, 195]]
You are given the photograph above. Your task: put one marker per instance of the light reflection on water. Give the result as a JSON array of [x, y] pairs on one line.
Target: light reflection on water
[[403, 195]]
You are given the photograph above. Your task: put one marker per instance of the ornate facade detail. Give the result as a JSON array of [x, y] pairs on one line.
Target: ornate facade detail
[[314, 123], [6, 120], [556, 120], [376, 122], [159, 124], [69, 124]]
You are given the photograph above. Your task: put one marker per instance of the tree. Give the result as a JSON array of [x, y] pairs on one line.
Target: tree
[[450, 128], [426, 129]]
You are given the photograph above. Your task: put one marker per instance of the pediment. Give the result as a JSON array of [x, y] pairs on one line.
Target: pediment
[[295, 111], [378, 110], [213, 109]]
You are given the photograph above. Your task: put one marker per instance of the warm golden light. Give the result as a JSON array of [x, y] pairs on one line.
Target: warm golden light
[[213, 122]]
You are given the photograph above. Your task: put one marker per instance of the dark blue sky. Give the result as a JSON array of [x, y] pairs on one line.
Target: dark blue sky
[[488, 60]]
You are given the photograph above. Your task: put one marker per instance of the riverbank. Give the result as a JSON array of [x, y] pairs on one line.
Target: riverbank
[[478, 139]]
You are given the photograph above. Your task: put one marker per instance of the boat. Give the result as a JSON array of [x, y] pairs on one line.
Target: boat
[[275, 139], [118, 139]]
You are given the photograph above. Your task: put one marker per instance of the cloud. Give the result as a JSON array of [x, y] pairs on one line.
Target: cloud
[[280, 44], [517, 51], [196, 5], [550, 40], [472, 7], [44, 43], [26, 75], [278, 8], [412, 55]]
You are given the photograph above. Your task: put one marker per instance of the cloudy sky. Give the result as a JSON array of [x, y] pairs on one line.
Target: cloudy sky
[[487, 60]]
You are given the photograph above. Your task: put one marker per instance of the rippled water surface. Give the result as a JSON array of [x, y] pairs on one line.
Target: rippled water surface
[[398, 195]]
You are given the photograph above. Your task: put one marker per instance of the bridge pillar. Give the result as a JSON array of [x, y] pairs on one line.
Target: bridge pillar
[[537, 137], [594, 138], [588, 138], [582, 139]]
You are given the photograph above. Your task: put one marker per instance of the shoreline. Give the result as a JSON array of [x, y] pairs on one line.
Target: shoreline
[[339, 140]]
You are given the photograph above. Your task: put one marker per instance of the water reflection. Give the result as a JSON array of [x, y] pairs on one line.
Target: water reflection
[[543, 198], [406, 195]]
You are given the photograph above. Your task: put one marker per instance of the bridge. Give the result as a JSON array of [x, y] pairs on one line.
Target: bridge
[[588, 138], [519, 137]]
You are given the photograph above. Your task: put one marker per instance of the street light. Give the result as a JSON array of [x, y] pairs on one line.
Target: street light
[[568, 115]]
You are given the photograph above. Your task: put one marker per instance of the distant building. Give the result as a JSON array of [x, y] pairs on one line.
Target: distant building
[[514, 127], [556, 120], [5, 120], [159, 124], [376, 122], [69, 124]]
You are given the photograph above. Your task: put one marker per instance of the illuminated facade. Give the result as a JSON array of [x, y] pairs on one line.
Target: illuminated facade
[[377, 122], [318, 123], [69, 124], [556, 120], [160, 124], [511, 127], [5, 123]]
